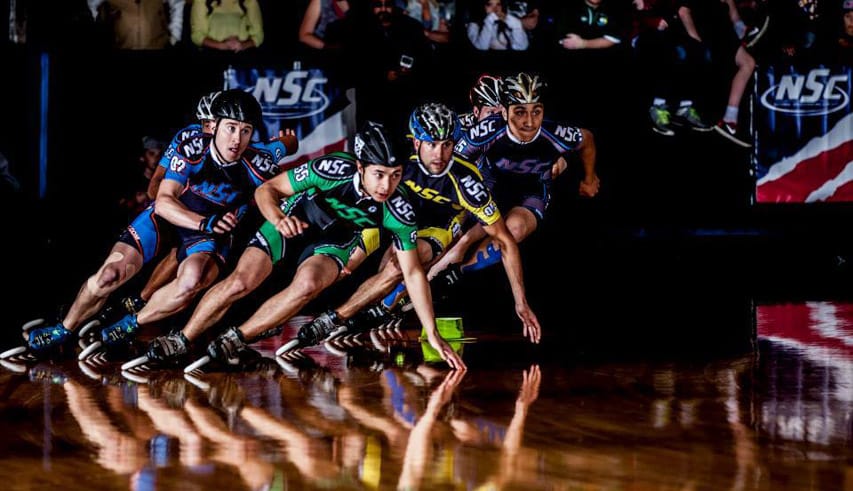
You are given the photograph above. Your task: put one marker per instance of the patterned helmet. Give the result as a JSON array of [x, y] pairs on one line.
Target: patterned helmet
[[486, 92], [523, 88], [372, 146], [434, 121], [203, 111], [237, 105]]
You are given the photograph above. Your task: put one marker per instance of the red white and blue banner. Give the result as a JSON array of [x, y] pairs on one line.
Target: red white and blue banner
[[305, 100], [804, 134]]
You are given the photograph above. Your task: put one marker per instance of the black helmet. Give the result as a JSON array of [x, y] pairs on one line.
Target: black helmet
[[486, 92], [203, 110], [373, 146], [523, 88], [238, 105], [434, 121]]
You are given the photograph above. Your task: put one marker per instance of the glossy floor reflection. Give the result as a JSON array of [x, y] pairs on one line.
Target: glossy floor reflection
[[366, 418]]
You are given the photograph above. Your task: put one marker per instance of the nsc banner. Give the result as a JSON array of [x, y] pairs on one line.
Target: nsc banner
[[321, 112], [803, 134]]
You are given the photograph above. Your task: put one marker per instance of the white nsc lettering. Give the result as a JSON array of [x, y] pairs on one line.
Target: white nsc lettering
[[402, 209], [299, 94], [474, 188], [483, 128], [333, 168], [262, 162], [816, 93]]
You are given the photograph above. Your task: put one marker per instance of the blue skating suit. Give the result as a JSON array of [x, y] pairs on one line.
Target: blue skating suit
[[208, 188], [519, 174]]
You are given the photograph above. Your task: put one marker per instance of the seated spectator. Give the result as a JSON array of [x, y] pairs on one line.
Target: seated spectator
[[591, 24], [496, 29], [317, 16], [140, 24], [227, 25]]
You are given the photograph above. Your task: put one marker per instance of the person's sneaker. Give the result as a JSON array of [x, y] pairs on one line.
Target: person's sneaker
[[45, 338], [688, 116], [729, 130], [754, 33], [133, 304], [121, 332], [168, 348], [227, 346], [661, 120], [319, 329]]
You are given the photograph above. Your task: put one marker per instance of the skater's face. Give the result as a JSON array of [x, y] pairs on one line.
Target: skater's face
[[379, 181], [434, 155], [232, 137], [524, 120], [208, 125], [484, 112], [848, 22]]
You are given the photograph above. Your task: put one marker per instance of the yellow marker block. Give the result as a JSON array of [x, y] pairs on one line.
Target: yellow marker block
[[449, 328], [371, 466]]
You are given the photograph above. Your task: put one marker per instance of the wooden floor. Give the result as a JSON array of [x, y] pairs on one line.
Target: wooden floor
[[376, 417]]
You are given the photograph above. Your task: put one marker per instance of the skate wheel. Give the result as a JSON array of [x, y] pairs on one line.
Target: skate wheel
[[89, 325], [13, 367], [139, 379], [31, 324], [201, 384], [288, 346], [286, 366], [136, 362], [87, 371], [92, 348], [12, 352], [204, 360], [333, 350]]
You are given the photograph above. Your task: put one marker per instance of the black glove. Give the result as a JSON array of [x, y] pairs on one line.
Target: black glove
[[207, 223]]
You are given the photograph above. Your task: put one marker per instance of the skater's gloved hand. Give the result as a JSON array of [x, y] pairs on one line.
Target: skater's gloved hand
[[218, 223]]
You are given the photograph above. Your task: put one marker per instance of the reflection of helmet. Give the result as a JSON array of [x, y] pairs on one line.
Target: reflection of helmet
[[238, 105], [203, 111], [523, 89], [486, 92], [372, 146], [434, 121]]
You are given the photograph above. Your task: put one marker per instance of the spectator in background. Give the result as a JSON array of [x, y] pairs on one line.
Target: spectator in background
[[497, 30], [528, 12], [800, 31], [388, 57], [318, 15], [845, 38], [672, 60], [140, 24], [227, 25], [434, 16], [704, 21], [136, 198], [591, 24]]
